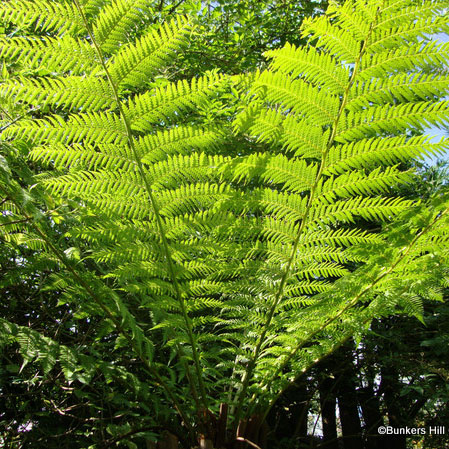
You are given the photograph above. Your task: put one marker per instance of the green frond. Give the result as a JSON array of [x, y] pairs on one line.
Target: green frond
[[59, 16], [180, 169], [402, 59], [340, 43], [200, 287], [35, 347], [339, 237], [412, 31], [109, 232], [230, 256], [316, 269], [354, 16], [378, 150], [84, 156], [179, 140], [317, 68], [391, 119], [26, 48], [356, 183], [318, 253], [316, 106], [293, 175], [156, 105], [264, 123], [281, 205], [131, 208], [201, 304], [115, 21], [87, 127], [106, 191], [91, 8], [132, 252], [306, 287], [303, 138], [81, 182], [285, 232], [299, 137], [134, 64], [191, 198], [49, 54], [403, 88], [397, 14], [273, 230], [74, 92], [345, 211]]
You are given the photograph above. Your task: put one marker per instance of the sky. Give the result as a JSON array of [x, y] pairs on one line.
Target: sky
[[435, 132]]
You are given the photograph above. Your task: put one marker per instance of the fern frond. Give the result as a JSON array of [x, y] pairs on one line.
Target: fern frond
[[92, 7], [116, 20], [229, 255], [179, 140], [135, 63], [72, 92], [345, 211], [191, 198], [355, 17], [84, 156], [402, 14], [59, 16], [305, 287], [293, 175], [304, 138], [314, 105], [154, 106], [410, 57], [384, 151], [50, 54], [180, 169], [282, 231], [316, 270], [106, 191], [88, 127], [318, 68], [299, 137], [318, 253], [340, 237], [412, 31], [359, 183], [333, 40], [281, 205], [133, 252], [392, 119], [403, 87]]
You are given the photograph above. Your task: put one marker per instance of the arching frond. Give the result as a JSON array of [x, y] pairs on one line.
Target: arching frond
[[135, 63], [74, 92], [380, 151], [88, 127], [50, 54], [116, 20], [318, 68], [167, 102], [179, 140], [61, 16]]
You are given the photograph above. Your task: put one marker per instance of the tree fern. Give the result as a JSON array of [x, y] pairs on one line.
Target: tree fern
[[309, 102], [63, 140], [238, 267]]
